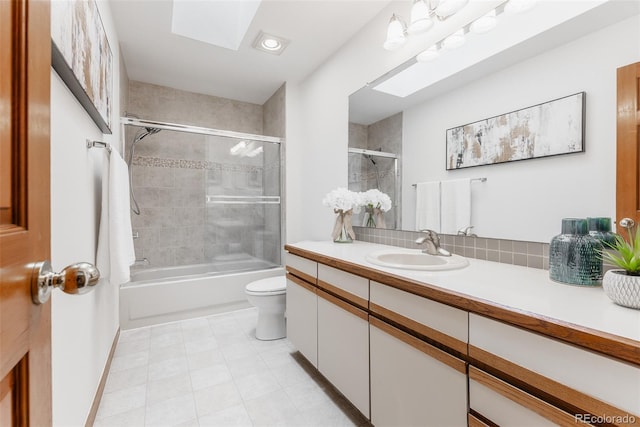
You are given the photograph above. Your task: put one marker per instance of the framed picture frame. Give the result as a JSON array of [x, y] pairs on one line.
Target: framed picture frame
[[549, 129], [81, 56]]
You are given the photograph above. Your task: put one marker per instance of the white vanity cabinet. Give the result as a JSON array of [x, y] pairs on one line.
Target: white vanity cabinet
[[505, 405], [408, 352], [592, 383], [412, 382], [343, 334], [302, 307]]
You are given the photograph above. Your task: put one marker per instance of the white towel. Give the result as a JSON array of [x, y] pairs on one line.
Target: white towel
[[115, 240], [456, 205], [428, 206]]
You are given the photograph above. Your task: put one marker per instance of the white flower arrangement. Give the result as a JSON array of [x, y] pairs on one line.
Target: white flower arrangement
[[342, 199], [375, 198]]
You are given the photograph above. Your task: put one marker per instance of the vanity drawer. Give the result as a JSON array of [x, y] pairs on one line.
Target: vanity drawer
[[442, 323], [572, 374], [506, 405], [302, 267], [350, 287]]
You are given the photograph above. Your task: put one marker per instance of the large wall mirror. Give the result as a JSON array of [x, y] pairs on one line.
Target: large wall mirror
[[398, 123]]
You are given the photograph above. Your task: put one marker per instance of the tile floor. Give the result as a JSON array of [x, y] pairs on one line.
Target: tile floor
[[212, 371]]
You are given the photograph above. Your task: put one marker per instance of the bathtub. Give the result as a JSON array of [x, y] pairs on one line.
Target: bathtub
[[161, 295]]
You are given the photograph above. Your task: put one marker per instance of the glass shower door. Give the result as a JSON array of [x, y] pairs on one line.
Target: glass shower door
[[242, 204]]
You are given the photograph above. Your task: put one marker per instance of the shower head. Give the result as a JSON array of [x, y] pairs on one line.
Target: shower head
[[144, 133], [370, 157]]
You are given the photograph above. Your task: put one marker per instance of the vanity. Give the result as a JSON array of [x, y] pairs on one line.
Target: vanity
[[480, 345]]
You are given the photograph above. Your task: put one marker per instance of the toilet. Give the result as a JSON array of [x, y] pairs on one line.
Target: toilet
[[269, 296]]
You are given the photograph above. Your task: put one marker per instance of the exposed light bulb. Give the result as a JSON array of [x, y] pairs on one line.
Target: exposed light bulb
[[455, 40], [519, 6], [449, 7], [485, 23], [420, 19], [432, 53], [396, 34]]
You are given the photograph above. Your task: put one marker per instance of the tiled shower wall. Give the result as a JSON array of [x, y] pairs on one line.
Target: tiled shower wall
[[384, 135], [173, 171]]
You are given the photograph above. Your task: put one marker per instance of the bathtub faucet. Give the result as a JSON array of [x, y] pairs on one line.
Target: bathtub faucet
[[432, 243]]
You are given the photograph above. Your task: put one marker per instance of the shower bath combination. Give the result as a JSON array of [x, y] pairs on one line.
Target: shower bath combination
[[209, 220]]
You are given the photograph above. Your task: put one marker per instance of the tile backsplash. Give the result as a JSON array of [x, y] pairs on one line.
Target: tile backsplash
[[528, 254]]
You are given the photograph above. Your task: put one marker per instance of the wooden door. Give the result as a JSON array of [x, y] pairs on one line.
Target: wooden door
[[628, 152], [25, 328]]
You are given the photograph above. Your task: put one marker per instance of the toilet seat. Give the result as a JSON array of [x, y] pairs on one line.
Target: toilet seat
[[269, 286]]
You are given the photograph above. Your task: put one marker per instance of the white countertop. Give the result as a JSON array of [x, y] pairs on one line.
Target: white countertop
[[520, 288]]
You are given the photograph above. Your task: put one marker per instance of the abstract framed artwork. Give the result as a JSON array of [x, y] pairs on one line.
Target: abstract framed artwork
[[81, 56], [548, 129]]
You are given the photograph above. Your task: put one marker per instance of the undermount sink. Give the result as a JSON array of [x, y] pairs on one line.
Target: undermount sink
[[415, 259]]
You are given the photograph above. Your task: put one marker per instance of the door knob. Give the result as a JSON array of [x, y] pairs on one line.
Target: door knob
[[74, 279]]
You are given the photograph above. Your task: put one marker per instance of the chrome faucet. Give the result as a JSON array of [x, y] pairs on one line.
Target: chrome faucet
[[466, 231], [432, 243]]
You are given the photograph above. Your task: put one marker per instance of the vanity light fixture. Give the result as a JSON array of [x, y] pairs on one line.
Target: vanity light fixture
[[420, 17], [430, 54], [396, 33], [519, 6], [455, 40], [485, 23], [269, 43], [447, 8], [424, 13]]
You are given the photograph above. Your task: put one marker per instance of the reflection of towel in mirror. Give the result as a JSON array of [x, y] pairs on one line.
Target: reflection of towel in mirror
[[115, 240], [455, 200], [428, 206]]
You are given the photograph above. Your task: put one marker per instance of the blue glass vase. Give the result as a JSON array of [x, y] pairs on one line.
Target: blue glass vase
[[574, 255], [600, 228]]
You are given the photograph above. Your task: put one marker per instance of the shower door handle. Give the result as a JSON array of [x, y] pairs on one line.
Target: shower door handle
[[75, 279]]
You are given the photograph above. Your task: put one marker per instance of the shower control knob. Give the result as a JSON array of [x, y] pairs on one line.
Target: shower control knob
[[75, 279]]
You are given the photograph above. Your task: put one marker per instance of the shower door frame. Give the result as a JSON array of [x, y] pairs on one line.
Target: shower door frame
[[396, 171], [132, 121]]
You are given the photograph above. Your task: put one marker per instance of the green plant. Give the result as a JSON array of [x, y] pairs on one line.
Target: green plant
[[627, 252]]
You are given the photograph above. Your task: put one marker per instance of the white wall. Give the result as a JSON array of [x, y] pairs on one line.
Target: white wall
[[317, 130], [526, 200], [83, 327], [317, 125]]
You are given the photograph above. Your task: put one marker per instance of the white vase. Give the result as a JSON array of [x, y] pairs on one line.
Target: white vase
[[622, 288]]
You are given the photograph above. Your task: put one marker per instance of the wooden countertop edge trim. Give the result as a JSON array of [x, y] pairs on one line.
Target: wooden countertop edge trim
[[343, 305], [302, 275], [426, 348], [348, 296], [602, 342], [298, 281], [420, 328], [533, 381], [539, 406]]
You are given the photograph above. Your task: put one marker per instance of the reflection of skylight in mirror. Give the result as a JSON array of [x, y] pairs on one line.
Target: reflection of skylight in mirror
[[220, 23]]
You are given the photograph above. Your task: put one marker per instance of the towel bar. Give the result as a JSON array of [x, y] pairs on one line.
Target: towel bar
[[483, 179], [99, 144]]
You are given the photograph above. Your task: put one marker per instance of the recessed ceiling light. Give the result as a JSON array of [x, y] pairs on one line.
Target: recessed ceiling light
[[270, 43]]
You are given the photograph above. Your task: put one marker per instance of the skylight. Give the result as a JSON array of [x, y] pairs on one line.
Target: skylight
[[221, 23]]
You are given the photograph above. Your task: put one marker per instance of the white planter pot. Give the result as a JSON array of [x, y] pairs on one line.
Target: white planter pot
[[622, 288]]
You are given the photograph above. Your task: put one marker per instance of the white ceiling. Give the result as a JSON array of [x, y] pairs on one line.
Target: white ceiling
[[315, 28]]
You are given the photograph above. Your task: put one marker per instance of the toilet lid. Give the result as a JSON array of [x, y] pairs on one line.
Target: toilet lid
[[271, 284]]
